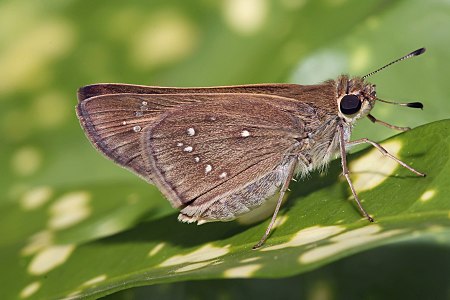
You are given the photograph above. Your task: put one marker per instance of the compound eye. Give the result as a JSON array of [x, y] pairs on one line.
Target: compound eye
[[350, 104]]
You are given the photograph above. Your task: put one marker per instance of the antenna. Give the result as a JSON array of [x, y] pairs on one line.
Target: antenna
[[408, 104], [412, 54]]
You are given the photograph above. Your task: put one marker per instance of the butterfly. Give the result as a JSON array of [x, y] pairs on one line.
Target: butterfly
[[218, 153]]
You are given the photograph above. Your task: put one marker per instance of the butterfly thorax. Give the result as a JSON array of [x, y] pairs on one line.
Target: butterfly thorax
[[321, 140]]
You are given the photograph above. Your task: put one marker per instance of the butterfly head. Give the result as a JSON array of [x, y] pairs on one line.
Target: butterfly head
[[355, 98]]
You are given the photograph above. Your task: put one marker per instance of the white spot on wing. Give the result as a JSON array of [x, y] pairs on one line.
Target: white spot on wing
[[208, 169], [179, 144], [190, 131], [197, 159], [223, 175], [137, 128], [245, 133], [188, 149]]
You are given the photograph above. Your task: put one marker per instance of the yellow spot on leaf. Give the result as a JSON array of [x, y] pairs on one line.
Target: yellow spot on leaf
[[427, 195], [31, 52], [26, 161], [348, 240], [49, 258], [30, 289], [251, 259], [95, 280], [307, 236], [37, 242], [168, 37], [373, 168], [156, 249], [280, 221], [36, 197], [217, 262], [207, 252], [192, 267], [70, 209], [108, 227], [74, 293], [242, 271], [245, 16], [357, 233]]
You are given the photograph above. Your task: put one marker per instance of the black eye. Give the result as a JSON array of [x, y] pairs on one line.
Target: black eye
[[350, 104]]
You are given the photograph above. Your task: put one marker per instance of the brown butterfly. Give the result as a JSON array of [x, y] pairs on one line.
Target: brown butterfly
[[218, 153]]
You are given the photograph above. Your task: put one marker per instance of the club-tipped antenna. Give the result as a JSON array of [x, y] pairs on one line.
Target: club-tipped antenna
[[408, 104], [412, 54]]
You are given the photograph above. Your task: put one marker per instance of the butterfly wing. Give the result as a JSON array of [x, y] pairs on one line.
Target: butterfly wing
[[141, 128], [114, 123], [202, 151], [322, 92]]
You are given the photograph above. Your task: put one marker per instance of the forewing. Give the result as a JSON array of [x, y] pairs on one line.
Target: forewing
[[114, 124], [320, 95], [220, 145]]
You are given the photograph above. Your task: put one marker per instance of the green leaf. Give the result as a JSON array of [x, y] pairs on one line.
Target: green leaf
[[320, 225], [61, 198]]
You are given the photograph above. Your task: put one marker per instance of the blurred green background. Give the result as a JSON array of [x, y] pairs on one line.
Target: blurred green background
[[48, 49]]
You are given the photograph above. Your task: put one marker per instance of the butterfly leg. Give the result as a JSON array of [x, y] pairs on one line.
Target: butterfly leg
[[375, 120], [346, 172], [385, 153], [284, 188]]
